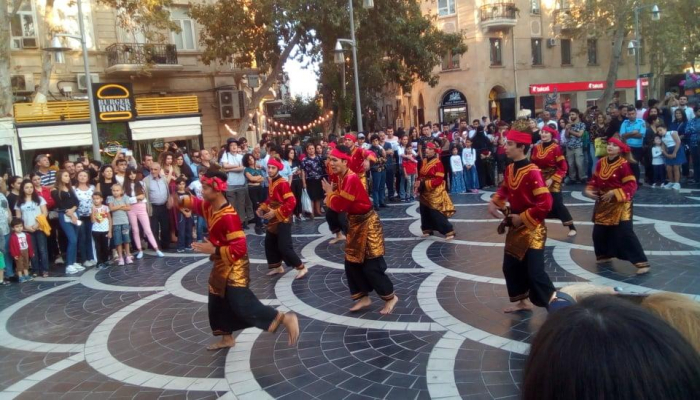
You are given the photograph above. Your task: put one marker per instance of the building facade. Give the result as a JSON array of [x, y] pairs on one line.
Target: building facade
[[177, 97], [521, 55]]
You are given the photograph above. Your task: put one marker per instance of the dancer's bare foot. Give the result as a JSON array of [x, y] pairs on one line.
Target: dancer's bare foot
[[276, 271], [449, 237], [522, 305], [291, 323], [389, 306], [338, 238], [302, 273], [603, 260], [572, 233], [642, 271], [362, 303], [225, 342]]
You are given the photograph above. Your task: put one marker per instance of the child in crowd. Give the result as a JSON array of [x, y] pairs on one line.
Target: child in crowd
[[184, 219], [410, 171], [457, 184], [657, 162], [21, 250], [120, 224], [101, 229], [196, 188], [471, 177]]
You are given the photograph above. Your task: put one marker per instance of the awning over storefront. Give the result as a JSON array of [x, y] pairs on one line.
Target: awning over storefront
[[7, 132], [53, 136], [165, 128]]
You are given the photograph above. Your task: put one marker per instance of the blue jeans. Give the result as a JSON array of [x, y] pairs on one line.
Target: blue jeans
[[659, 174], [471, 178], [201, 227], [184, 231], [390, 179], [9, 262], [85, 240], [378, 182], [40, 261], [407, 183], [71, 232]]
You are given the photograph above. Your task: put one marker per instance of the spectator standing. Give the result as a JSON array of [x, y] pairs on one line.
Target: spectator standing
[[683, 106], [312, 173], [67, 205], [692, 131], [679, 125], [410, 172], [378, 173], [101, 229], [574, 147], [120, 170], [457, 184], [84, 191], [29, 207], [196, 188], [254, 178], [157, 193], [390, 143], [119, 205], [657, 162], [6, 271], [47, 175], [632, 132], [106, 180], [185, 170], [599, 131], [146, 165], [292, 164], [471, 176], [236, 192], [184, 219], [21, 250], [674, 156], [135, 191]]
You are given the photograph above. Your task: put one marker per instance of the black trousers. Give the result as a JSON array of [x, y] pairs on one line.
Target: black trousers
[[433, 220], [101, 246], [279, 247], [559, 210], [618, 241], [256, 197], [368, 276], [390, 176], [638, 154], [337, 222], [297, 188], [160, 225], [240, 309], [527, 278], [445, 160]]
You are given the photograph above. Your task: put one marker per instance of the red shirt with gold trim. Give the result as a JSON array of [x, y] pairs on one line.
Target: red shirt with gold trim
[[550, 156], [357, 159], [349, 196], [614, 175], [432, 173], [525, 190], [280, 193]]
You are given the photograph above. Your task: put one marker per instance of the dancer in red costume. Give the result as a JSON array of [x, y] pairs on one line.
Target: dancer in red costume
[[232, 305], [364, 251], [277, 210]]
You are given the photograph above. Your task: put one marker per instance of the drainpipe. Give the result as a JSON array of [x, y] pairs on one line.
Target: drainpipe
[[515, 72]]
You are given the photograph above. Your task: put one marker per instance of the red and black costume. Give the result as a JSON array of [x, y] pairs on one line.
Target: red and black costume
[[549, 158], [613, 235], [529, 197], [232, 305], [357, 160], [278, 238], [435, 204], [364, 251], [336, 222]]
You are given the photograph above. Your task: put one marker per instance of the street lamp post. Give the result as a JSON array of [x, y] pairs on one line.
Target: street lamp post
[[655, 16], [59, 49], [339, 58]]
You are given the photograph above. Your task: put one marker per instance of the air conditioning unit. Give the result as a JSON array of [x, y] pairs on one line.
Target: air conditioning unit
[[551, 42], [229, 104], [82, 82], [22, 83]]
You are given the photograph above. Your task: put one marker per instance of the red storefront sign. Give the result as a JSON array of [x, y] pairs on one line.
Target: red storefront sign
[[543, 88]]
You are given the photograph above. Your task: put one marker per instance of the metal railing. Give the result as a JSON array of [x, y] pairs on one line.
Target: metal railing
[[141, 53], [493, 11], [78, 110]]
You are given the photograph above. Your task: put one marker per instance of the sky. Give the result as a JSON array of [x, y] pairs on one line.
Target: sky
[[302, 81]]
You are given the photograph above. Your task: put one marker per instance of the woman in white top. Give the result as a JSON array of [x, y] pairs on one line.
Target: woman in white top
[[29, 206], [134, 189], [83, 191], [471, 177], [674, 156]]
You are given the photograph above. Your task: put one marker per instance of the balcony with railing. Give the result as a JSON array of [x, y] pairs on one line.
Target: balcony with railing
[[76, 111], [563, 21], [135, 57], [498, 16]]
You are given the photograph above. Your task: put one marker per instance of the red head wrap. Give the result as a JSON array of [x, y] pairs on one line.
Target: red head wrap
[[350, 136], [332, 145], [339, 155], [519, 137], [624, 148], [215, 183], [276, 163], [550, 130], [431, 145]]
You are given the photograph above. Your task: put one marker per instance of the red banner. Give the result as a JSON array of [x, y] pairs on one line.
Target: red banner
[[543, 88]]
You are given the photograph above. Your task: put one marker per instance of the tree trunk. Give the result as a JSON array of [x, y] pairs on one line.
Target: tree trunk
[[618, 38], [267, 84], [5, 56], [46, 56]]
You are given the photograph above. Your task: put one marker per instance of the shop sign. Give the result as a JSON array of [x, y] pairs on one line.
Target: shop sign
[[454, 98], [114, 102], [112, 148], [564, 87]]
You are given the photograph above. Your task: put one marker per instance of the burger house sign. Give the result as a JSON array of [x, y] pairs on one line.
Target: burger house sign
[[114, 102]]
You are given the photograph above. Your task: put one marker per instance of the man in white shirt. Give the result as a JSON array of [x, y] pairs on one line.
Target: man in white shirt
[[546, 116], [237, 191], [683, 105]]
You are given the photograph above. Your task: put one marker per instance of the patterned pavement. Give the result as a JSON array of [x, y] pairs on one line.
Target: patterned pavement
[[139, 331]]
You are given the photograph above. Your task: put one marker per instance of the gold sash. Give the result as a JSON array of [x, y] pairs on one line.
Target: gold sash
[[439, 200], [365, 237], [612, 212], [547, 173], [520, 239], [222, 274]]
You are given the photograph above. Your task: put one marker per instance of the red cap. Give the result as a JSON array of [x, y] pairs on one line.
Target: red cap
[[519, 137], [332, 145], [624, 148], [550, 130], [350, 136], [275, 162], [431, 145]]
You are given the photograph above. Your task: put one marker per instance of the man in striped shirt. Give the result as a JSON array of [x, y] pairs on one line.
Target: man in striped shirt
[[48, 177]]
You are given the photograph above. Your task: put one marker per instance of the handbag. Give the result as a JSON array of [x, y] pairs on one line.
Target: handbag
[[601, 147], [306, 204]]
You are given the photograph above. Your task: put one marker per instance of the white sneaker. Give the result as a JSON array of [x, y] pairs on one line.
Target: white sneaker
[[59, 260], [139, 255], [78, 267], [677, 186], [89, 263], [159, 254], [668, 186], [71, 270]]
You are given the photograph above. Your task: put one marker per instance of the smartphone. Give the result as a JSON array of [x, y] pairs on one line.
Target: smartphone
[[129, 153]]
